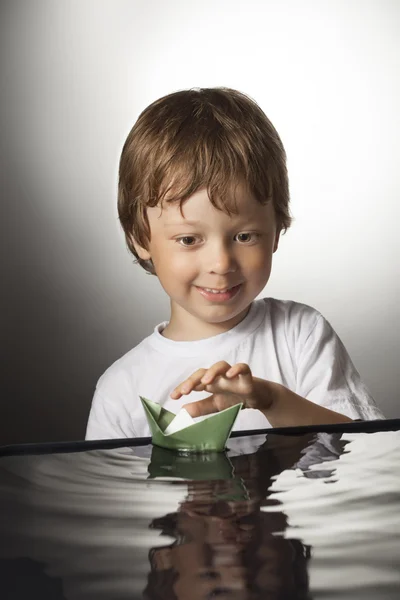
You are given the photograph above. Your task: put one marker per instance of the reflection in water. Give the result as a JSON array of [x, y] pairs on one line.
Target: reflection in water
[[224, 546], [353, 527], [85, 516], [148, 523]]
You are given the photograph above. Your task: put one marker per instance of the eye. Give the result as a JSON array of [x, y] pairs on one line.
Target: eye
[[191, 237], [186, 237], [251, 233]]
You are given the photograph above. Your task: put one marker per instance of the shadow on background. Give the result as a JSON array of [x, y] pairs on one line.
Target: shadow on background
[[54, 345]]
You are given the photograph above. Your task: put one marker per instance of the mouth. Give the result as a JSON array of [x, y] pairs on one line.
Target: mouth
[[220, 296], [219, 290]]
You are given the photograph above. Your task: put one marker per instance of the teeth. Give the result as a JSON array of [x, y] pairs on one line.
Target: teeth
[[216, 292]]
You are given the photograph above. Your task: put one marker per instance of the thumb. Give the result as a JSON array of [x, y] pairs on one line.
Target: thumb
[[201, 407]]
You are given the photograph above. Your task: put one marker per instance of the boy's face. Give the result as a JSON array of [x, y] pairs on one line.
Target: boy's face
[[217, 252]]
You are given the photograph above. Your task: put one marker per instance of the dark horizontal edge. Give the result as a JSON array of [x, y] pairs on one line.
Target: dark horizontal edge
[[87, 445]]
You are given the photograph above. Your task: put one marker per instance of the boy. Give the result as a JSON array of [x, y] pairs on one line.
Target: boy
[[203, 199]]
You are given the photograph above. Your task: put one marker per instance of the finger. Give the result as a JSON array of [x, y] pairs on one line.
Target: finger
[[182, 391], [189, 384], [201, 407], [238, 369], [220, 368]]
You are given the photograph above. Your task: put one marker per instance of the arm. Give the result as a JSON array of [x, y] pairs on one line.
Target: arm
[[326, 375], [284, 408], [107, 420]]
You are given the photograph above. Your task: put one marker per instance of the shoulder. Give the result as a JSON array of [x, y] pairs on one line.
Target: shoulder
[[297, 323], [121, 374], [293, 316]]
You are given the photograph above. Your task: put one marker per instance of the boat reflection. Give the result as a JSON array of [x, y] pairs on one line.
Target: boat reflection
[[224, 545]]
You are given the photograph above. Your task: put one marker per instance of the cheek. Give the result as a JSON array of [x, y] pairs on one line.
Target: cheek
[[179, 266], [257, 261]]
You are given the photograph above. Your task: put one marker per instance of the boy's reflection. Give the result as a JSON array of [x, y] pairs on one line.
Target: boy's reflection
[[225, 546]]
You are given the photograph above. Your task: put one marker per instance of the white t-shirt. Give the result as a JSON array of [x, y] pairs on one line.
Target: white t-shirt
[[282, 341]]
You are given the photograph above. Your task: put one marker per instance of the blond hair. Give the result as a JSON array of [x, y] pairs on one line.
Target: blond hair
[[210, 138]]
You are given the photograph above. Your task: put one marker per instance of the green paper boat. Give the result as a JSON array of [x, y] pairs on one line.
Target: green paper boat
[[209, 435], [210, 466]]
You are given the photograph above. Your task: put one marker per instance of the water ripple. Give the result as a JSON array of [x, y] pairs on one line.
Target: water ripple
[[352, 524]]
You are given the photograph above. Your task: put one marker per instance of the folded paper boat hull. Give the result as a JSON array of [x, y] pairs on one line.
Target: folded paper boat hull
[[209, 435], [190, 466]]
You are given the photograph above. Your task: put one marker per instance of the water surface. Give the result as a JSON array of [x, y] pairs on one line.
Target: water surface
[[297, 517]]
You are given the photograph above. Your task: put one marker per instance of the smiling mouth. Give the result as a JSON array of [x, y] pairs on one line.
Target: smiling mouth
[[220, 291]]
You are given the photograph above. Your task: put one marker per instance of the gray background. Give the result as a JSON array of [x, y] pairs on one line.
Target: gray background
[[76, 74]]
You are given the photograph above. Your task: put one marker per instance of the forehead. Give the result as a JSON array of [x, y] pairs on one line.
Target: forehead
[[199, 210]]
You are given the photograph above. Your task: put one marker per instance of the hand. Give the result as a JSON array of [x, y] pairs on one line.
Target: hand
[[228, 386]]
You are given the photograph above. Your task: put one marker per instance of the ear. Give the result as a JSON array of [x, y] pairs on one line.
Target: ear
[[277, 237], [141, 252], [162, 559]]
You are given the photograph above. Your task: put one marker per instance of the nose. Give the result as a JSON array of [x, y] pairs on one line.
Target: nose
[[222, 257]]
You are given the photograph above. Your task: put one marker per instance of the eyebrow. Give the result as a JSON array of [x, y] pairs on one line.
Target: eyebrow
[[183, 223], [191, 222]]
